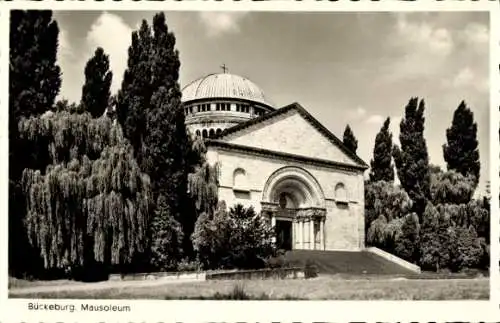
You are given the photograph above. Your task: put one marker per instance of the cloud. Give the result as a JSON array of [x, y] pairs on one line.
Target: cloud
[[375, 119], [64, 50], [464, 77], [218, 23], [421, 33], [467, 78], [108, 31], [476, 33], [421, 49], [357, 113], [378, 120], [111, 33], [394, 128]]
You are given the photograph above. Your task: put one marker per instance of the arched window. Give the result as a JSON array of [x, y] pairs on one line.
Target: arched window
[[240, 180], [218, 131], [198, 133], [205, 134], [340, 192], [211, 133]]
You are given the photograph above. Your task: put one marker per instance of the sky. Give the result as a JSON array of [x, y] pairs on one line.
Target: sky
[[344, 68]]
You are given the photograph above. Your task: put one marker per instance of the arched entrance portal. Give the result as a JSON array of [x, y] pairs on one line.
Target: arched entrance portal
[[294, 203]]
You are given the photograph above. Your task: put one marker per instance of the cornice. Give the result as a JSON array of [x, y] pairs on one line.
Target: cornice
[[217, 117], [283, 156]]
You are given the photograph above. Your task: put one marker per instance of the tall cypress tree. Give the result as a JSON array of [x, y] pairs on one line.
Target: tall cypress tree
[[134, 97], [150, 110], [34, 82], [168, 120], [34, 79], [349, 140], [412, 159], [461, 151], [382, 168], [96, 89]]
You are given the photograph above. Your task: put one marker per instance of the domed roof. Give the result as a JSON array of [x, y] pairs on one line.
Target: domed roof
[[223, 85]]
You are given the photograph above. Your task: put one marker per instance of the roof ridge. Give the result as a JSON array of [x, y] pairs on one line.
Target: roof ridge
[[314, 122]]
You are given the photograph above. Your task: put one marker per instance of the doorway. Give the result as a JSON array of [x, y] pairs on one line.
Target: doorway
[[284, 234]]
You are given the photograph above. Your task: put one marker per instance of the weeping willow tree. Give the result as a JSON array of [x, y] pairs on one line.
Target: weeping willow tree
[[203, 183], [91, 204]]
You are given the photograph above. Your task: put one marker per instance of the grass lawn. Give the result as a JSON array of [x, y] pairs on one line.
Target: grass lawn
[[321, 288], [23, 283]]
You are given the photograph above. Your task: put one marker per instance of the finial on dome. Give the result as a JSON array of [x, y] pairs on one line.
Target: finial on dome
[[224, 68]]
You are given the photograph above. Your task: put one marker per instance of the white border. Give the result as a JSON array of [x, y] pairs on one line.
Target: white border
[[15, 310], [495, 152]]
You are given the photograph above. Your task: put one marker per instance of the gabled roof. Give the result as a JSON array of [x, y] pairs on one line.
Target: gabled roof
[[306, 115]]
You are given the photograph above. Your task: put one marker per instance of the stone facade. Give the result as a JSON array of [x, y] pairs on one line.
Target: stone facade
[[291, 171]]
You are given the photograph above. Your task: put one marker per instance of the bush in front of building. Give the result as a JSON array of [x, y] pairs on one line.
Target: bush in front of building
[[235, 238], [189, 265], [278, 260], [310, 269]]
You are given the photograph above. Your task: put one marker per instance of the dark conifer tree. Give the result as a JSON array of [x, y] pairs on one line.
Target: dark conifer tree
[[167, 133], [461, 151], [150, 110], [349, 140], [34, 82], [134, 97], [412, 159], [382, 168], [166, 242], [407, 246], [96, 90]]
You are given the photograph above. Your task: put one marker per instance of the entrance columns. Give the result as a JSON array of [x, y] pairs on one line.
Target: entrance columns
[[312, 240], [321, 235], [299, 233], [297, 237], [302, 235], [306, 223], [273, 225]]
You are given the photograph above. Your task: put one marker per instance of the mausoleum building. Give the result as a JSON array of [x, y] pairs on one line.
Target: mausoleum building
[[283, 162]]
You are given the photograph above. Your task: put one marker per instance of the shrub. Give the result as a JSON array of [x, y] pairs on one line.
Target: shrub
[[278, 260], [166, 238], [187, 265], [408, 243], [236, 239], [435, 240], [451, 188], [310, 269], [466, 250], [384, 199], [383, 234], [447, 242]]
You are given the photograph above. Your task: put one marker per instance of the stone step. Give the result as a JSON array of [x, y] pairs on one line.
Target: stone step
[[346, 262]]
